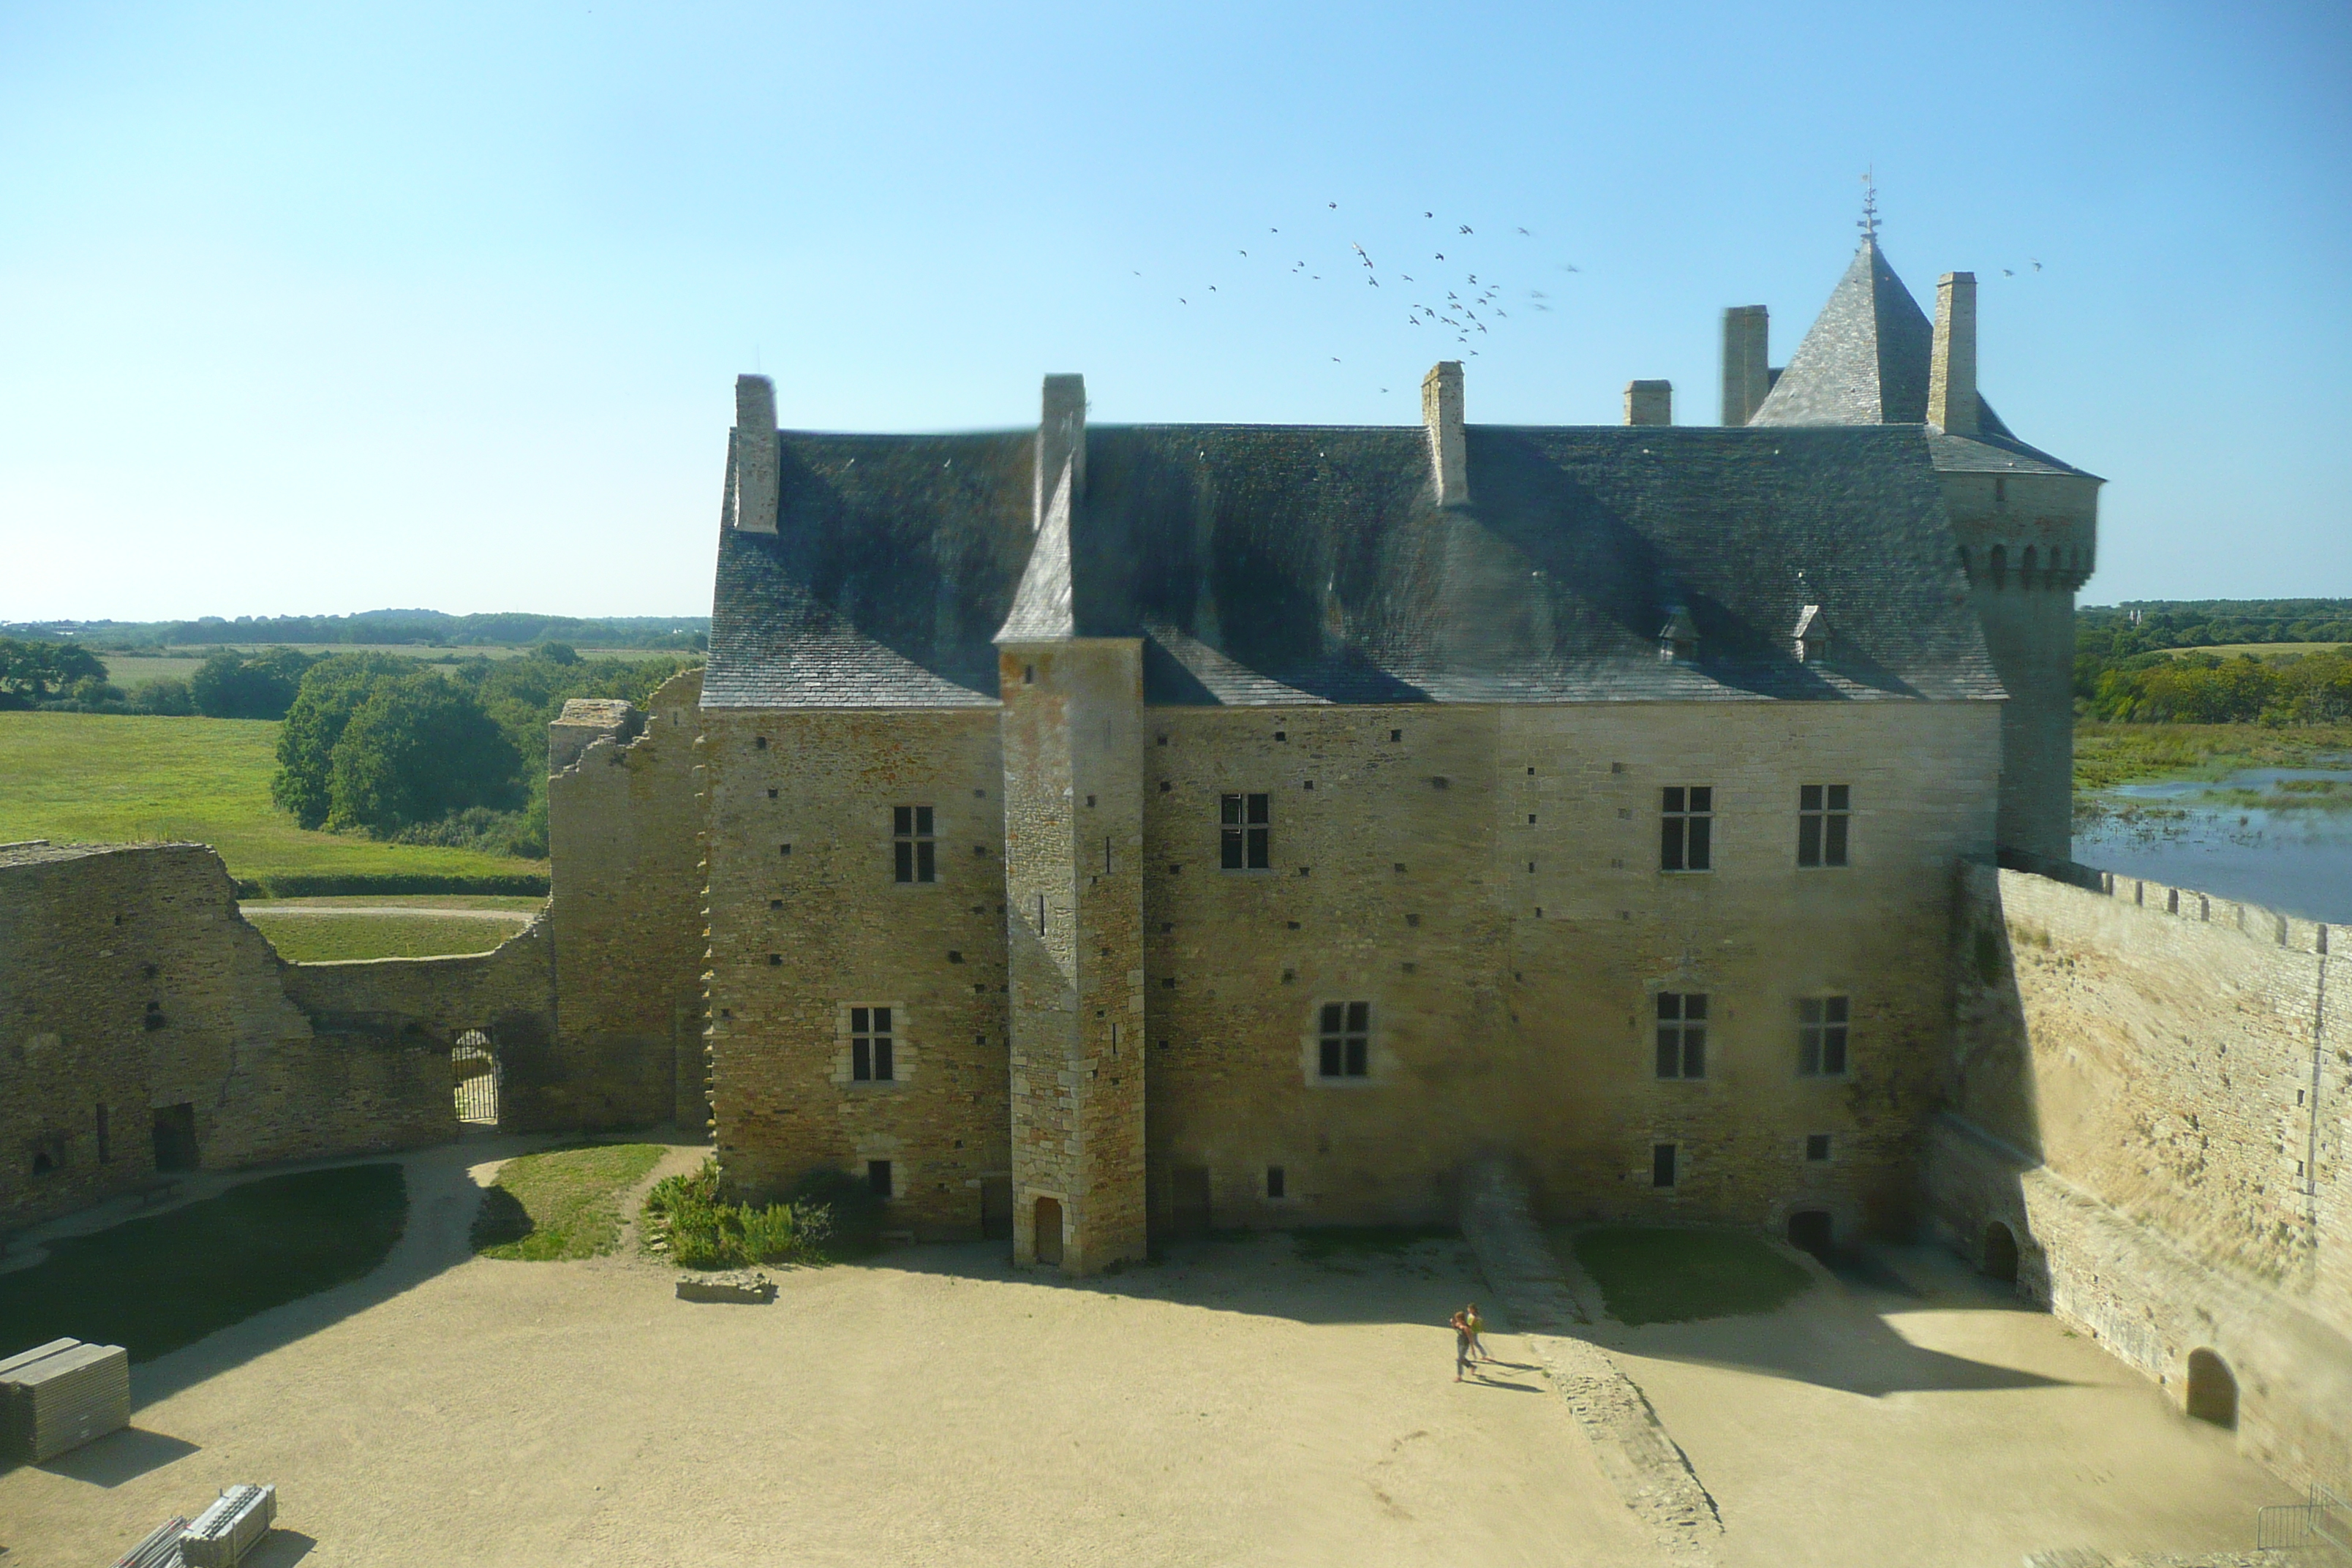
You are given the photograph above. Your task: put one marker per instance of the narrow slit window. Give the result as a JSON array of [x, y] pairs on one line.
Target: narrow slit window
[[1682, 1034], [1277, 1181], [1246, 833], [1686, 828], [915, 850], [878, 1178], [872, 1058], [1344, 1040], [1822, 1022], [1662, 1165], [1822, 813]]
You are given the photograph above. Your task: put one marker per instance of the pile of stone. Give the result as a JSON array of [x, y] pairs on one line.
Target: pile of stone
[[748, 1287], [55, 1398]]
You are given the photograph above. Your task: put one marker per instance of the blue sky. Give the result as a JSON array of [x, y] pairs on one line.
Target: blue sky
[[317, 308]]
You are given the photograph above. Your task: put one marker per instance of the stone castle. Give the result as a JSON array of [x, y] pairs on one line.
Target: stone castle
[[1094, 836]]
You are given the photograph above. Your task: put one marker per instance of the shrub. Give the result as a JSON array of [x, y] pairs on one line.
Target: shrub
[[168, 696], [705, 1231], [232, 685]]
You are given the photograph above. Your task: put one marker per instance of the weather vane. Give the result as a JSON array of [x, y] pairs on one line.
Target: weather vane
[[1869, 224]]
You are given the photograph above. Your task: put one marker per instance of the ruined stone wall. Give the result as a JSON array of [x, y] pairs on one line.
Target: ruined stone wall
[[624, 820], [426, 1003], [2149, 1089], [807, 922], [129, 981], [1488, 879]]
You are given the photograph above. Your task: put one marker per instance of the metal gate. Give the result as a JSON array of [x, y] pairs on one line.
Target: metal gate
[[2321, 1527], [474, 1069]]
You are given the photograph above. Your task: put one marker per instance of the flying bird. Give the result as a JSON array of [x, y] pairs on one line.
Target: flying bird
[[1466, 229], [1333, 206], [2005, 272], [2037, 266], [1529, 235]]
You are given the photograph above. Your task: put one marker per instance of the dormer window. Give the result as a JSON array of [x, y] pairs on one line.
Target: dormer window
[[1813, 634], [1678, 638]]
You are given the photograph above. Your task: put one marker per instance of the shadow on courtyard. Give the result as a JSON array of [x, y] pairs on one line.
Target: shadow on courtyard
[[1835, 1335]]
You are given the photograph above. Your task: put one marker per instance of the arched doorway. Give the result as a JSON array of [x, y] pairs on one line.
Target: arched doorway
[[2000, 1252], [474, 1070], [1049, 1230], [1811, 1230], [2213, 1392]]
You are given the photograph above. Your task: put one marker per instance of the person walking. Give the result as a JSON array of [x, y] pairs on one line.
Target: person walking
[[1477, 1327], [1463, 1337]]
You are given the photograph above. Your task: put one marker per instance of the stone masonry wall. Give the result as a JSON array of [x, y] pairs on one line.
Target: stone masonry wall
[[807, 922], [624, 821], [2029, 627], [2148, 1088], [1489, 881], [426, 1002], [1075, 877], [128, 980]]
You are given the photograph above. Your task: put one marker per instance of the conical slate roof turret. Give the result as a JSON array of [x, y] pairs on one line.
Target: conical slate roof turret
[[1865, 359]]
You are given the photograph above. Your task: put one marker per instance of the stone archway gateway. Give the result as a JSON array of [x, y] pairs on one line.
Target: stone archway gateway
[[2000, 1252], [2213, 1390], [474, 1072], [1049, 1230]]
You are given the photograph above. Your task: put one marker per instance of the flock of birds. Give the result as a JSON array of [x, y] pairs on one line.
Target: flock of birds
[[1443, 296]]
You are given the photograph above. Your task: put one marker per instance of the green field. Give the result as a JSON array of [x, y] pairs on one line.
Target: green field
[[2259, 649], [131, 672], [327, 939], [105, 778]]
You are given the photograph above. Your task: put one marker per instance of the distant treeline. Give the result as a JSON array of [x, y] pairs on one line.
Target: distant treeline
[[429, 629], [2124, 669]]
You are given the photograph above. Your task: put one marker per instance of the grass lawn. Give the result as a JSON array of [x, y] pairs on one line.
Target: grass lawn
[[108, 778], [153, 1284], [322, 939], [561, 1204], [2109, 755], [497, 902], [1651, 1274]]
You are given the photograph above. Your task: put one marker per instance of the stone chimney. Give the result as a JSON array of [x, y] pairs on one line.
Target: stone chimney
[[753, 449], [1440, 410], [1649, 403], [1061, 439], [1952, 374], [1747, 352]]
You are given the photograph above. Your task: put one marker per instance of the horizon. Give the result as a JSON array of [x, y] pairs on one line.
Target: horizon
[[307, 312]]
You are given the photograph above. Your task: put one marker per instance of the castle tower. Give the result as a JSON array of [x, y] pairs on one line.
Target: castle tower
[[2025, 525], [1073, 736]]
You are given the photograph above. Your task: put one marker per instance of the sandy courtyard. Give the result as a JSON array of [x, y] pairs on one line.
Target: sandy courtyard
[[1235, 1404]]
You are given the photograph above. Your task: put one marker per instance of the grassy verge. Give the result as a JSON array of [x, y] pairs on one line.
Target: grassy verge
[[2109, 755], [563, 1204], [328, 939], [153, 1284], [105, 778], [1324, 1242], [1651, 1274]]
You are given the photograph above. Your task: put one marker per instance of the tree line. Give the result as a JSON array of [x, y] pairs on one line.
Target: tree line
[[2127, 666], [428, 628]]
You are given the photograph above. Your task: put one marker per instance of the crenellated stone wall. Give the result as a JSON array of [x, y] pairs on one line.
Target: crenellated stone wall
[[2147, 1091]]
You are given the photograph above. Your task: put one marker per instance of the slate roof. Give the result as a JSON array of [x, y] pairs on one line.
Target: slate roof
[[1866, 361], [1295, 565]]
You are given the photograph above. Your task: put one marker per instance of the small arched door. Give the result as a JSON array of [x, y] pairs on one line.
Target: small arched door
[[1049, 1230], [1811, 1230], [474, 1074], [2212, 1391], [2000, 1252]]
